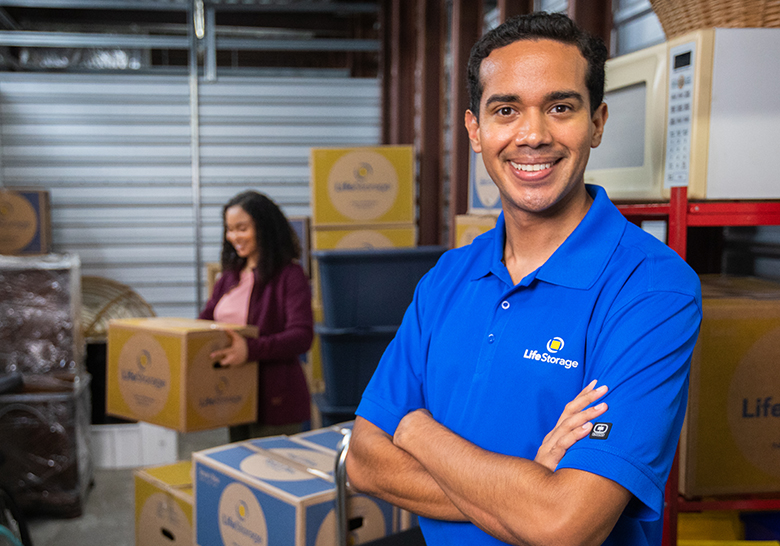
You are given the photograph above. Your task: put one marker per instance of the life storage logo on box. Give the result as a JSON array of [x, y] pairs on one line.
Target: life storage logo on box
[[144, 375], [18, 222], [754, 404], [241, 519], [363, 185]]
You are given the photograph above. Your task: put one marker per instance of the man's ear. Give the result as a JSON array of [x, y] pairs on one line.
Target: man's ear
[[599, 119], [472, 126]]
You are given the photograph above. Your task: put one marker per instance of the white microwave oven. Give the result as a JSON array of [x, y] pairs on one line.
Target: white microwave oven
[[701, 111]]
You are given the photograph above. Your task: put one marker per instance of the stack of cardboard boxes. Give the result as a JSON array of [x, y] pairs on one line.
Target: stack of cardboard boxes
[[484, 204], [45, 460], [275, 490], [362, 198], [731, 439]]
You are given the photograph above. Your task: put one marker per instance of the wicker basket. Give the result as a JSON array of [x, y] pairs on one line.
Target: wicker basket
[[680, 16], [104, 299]]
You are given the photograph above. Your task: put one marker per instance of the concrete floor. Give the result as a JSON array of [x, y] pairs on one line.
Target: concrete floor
[[108, 516]]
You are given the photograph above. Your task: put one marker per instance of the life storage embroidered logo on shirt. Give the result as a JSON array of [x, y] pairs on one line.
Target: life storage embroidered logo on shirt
[[600, 431], [554, 345]]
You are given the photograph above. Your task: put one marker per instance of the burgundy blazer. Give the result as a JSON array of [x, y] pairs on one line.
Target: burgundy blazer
[[281, 309]]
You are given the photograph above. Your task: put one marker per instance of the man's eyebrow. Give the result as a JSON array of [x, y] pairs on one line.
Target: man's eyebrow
[[502, 98], [550, 97], [565, 95]]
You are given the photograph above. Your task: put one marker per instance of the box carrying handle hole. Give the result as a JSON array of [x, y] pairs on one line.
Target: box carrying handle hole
[[355, 523], [216, 365], [167, 534]]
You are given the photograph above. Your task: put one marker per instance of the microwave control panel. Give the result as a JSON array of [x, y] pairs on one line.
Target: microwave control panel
[[679, 115]]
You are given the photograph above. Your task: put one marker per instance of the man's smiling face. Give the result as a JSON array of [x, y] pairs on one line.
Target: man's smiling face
[[535, 129]]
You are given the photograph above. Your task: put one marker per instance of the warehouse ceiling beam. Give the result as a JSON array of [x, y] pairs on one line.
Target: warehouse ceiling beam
[[164, 5], [316, 44], [258, 6], [30, 38]]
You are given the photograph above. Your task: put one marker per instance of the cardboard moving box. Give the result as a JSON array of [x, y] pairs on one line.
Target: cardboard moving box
[[163, 505], [376, 236], [159, 371], [731, 438], [470, 226], [276, 491], [25, 222], [372, 185]]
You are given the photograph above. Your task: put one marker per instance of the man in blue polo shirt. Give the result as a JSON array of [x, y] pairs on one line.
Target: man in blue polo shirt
[[503, 333]]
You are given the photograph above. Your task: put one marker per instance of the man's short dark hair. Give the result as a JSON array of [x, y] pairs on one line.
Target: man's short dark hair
[[539, 26]]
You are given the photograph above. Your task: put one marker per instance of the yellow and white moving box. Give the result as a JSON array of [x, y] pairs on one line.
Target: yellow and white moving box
[[276, 491], [163, 505], [25, 222], [369, 185], [365, 237], [159, 371], [731, 438], [470, 226], [711, 525]]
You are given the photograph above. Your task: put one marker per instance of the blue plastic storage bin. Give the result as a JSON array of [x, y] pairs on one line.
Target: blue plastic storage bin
[[349, 358], [371, 287], [761, 525], [330, 414]]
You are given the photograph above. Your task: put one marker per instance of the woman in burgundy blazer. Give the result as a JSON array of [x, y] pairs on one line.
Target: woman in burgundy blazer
[[263, 284]]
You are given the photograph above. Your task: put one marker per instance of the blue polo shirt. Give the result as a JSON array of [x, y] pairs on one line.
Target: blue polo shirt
[[497, 362]]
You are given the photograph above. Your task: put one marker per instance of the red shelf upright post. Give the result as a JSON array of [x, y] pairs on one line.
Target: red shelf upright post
[[678, 221], [681, 214]]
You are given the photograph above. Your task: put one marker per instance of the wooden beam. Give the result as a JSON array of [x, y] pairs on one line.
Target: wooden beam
[[397, 68], [466, 30], [428, 100], [509, 8], [595, 16]]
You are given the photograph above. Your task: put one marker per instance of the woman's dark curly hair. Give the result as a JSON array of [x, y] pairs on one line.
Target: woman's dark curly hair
[[277, 242], [540, 26]]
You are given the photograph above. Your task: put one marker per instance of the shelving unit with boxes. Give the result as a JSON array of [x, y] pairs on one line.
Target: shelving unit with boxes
[[682, 214]]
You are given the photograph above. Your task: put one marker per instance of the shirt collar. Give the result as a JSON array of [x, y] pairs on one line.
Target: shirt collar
[[582, 257]]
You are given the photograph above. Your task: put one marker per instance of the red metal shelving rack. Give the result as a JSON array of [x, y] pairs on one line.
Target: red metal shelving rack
[[682, 214]]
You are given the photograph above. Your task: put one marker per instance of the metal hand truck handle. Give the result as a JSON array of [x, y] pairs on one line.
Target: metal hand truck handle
[[342, 531]]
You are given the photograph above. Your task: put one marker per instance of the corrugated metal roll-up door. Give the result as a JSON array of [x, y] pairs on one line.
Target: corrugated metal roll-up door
[[114, 152], [256, 133]]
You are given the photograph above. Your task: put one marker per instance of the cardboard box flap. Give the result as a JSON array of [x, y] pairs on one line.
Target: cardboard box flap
[[726, 286], [177, 475], [175, 325]]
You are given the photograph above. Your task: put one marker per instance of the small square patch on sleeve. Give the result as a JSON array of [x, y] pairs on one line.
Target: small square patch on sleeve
[[600, 431]]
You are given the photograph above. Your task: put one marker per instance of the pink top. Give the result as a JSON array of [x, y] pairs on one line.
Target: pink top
[[233, 307], [281, 310]]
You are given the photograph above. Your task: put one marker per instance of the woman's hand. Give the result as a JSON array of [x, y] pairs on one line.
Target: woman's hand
[[234, 355], [573, 425]]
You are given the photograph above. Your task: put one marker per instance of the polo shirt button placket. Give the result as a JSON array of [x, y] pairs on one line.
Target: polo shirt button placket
[[504, 305], [491, 338]]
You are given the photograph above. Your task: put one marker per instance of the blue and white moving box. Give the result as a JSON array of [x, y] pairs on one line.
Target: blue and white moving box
[[484, 197], [327, 439], [324, 439], [278, 492]]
